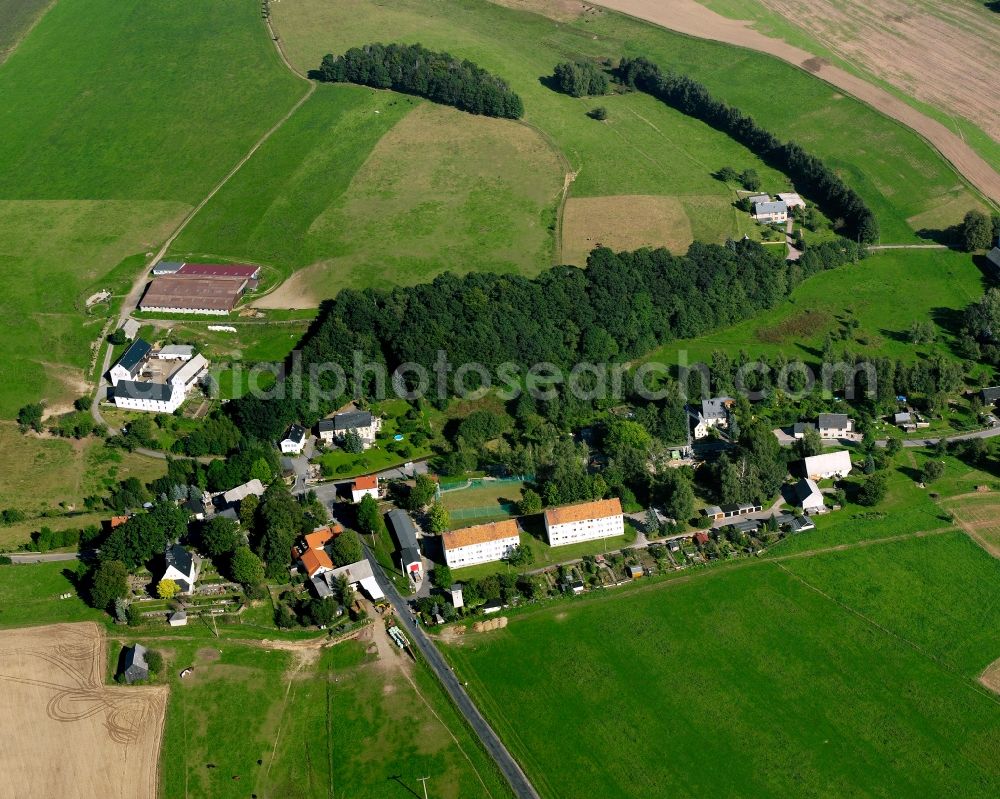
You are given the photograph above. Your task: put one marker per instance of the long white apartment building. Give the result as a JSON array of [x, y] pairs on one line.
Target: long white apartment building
[[483, 543], [585, 521]]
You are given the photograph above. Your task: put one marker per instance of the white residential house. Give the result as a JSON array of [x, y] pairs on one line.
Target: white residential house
[[584, 521], [809, 497], [828, 464], [484, 543], [182, 568], [366, 486], [130, 364], [835, 425], [714, 413], [294, 441], [358, 575], [791, 199], [365, 424], [770, 212]]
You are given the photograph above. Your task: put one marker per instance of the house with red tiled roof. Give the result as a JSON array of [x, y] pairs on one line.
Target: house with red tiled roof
[[584, 521], [366, 486], [484, 543]]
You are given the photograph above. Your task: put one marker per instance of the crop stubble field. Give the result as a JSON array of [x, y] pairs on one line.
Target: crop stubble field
[[63, 732]]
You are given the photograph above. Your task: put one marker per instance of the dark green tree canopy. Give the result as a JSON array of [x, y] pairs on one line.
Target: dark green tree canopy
[[414, 69]]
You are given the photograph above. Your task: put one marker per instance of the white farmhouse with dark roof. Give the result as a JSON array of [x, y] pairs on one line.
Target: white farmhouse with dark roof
[[130, 364], [363, 423], [835, 425], [294, 441], [714, 413], [182, 568]]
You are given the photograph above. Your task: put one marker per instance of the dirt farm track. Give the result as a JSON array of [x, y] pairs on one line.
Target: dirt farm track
[[688, 16], [63, 732]]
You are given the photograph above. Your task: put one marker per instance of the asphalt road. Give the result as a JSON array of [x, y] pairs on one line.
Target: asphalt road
[[518, 780]]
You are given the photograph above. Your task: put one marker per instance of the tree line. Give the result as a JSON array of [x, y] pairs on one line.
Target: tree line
[[621, 306], [808, 172], [413, 69]]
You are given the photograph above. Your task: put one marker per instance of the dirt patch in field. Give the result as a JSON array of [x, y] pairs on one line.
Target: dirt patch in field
[[559, 10], [687, 16], [802, 325], [66, 733], [624, 222], [978, 515], [991, 677]]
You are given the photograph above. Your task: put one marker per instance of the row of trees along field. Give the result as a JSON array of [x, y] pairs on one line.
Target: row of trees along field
[[414, 69], [621, 306], [809, 173]]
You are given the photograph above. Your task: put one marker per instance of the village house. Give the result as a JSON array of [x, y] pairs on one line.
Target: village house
[[834, 425], [990, 395], [714, 413], [134, 666], [585, 521], [130, 364], [294, 441], [363, 423], [993, 259], [827, 465], [405, 531], [483, 543], [808, 496], [770, 212], [358, 575], [182, 568], [311, 552], [366, 486], [799, 429]]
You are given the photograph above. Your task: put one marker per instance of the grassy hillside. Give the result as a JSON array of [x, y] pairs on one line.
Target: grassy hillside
[[118, 116], [749, 682], [373, 188], [896, 172], [885, 293]]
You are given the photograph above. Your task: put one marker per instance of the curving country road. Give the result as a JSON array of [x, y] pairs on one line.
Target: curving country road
[[518, 780]]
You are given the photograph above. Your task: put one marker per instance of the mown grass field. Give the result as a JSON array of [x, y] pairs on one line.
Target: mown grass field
[[374, 188], [42, 474], [334, 722], [29, 595], [650, 150], [885, 293], [113, 125], [855, 678]]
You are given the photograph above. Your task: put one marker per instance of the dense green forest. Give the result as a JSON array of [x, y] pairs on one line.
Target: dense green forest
[[621, 306], [414, 69], [810, 174]]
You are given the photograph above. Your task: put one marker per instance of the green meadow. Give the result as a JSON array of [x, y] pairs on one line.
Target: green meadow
[[845, 674], [884, 293], [898, 174], [114, 126], [319, 723], [374, 188]]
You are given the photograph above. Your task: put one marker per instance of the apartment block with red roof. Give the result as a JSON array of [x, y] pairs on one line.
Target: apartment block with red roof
[[584, 521]]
